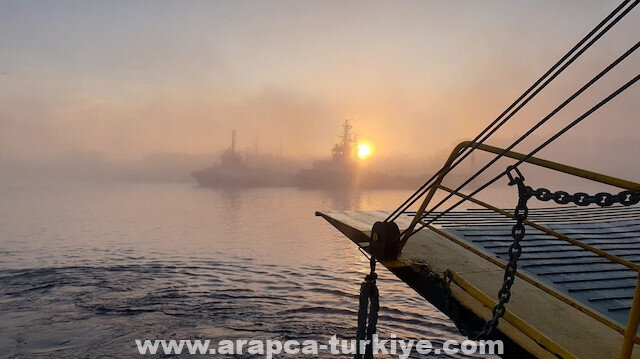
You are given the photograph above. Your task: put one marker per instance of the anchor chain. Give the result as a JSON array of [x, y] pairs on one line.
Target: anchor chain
[[515, 250], [602, 199]]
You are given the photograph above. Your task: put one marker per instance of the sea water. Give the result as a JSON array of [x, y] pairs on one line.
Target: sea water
[[85, 270]]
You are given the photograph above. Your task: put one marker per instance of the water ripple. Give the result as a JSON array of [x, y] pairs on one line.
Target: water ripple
[[101, 269]]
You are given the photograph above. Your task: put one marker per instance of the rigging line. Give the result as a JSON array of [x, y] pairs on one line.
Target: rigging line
[[395, 215], [536, 150], [541, 122], [545, 119], [596, 38], [421, 191]]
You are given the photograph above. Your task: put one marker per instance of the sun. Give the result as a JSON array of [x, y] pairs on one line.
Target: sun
[[364, 151]]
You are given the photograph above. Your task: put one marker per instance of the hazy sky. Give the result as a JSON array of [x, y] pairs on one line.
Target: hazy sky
[[130, 78]]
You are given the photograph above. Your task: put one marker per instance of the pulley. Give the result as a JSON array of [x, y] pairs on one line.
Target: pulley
[[385, 241]]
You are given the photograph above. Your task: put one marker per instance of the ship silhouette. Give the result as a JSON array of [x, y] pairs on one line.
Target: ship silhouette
[[344, 170], [234, 171]]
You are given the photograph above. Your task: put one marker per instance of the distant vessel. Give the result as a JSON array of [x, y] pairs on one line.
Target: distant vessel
[[344, 171], [233, 171]]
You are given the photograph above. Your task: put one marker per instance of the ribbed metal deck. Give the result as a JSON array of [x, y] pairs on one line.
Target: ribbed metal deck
[[588, 278]]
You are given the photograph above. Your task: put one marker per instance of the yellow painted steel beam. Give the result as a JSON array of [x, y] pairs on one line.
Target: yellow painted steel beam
[[575, 171], [434, 187], [542, 340], [578, 172], [632, 325]]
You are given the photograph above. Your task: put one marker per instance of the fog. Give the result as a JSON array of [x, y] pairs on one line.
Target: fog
[[143, 90]]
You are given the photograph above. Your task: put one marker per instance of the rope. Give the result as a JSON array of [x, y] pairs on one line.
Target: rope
[[489, 131], [368, 312]]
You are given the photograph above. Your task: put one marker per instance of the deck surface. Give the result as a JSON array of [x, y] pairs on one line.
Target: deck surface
[[592, 280], [569, 271]]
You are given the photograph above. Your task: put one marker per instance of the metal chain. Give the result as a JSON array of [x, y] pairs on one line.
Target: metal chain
[[515, 250], [602, 199]]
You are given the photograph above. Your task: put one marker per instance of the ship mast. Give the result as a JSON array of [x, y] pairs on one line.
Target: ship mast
[[346, 137], [233, 141], [344, 150], [231, 157]]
